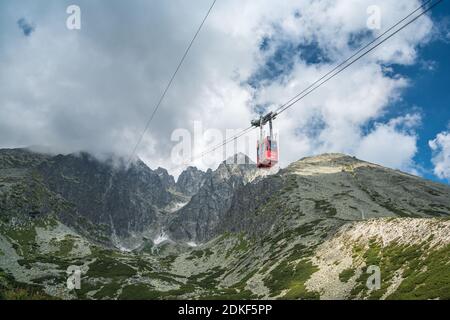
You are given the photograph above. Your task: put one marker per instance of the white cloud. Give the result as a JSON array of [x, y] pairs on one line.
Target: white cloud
[[393, 144], [94, 89], [441, 155]]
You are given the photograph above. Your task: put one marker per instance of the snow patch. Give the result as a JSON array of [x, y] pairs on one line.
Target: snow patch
[[161, 238]]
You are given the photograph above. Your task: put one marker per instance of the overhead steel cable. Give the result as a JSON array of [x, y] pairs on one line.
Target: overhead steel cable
[[293, 102], [354, 54], [336, 69], [372, 45], [214, 148], [169, 84], [226, 141]]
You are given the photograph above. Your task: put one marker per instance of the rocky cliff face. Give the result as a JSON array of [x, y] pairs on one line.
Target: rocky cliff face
[[23, 195], [167, 180], [334, 187], [197, 220], [124, 199], [234, 197], [190, 181], [121, 201]]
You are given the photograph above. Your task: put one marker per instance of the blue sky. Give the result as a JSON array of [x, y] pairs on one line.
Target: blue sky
[[429, 90], [426, 94]]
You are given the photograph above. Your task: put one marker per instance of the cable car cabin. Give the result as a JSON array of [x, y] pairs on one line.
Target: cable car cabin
[[267, 153], [266, 148]]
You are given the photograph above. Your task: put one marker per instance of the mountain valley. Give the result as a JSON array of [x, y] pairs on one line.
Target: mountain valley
[[309, 231]]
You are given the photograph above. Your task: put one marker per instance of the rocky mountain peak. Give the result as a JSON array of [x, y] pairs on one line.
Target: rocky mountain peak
[[167, 180], [239, 159], [20, 158], [239, 165], [327, 163], [122, 200], [190, 181]]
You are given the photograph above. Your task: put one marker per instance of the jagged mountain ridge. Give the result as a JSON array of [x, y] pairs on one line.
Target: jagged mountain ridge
[[333, 187], [198, 219], [127, 201], [88, 191], [190, 180], [258, 235], [123, 202]]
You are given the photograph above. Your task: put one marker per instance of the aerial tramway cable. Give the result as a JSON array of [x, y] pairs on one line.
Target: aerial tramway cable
[[169, 84], [301, 96], [353, 55], [332, 73]]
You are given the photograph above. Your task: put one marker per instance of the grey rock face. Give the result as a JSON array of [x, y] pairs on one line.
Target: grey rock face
[[190, 181], [334, 188], [126, 200], [166, 179], [197, 220], [22, 193], [20, 159], [233, 198], [246, 212]]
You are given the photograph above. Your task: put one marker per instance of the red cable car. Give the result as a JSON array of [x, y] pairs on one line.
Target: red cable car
[[267, 153], [267, 147]]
